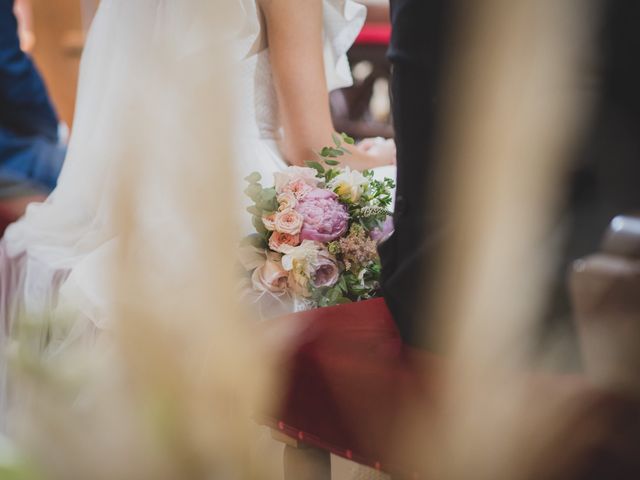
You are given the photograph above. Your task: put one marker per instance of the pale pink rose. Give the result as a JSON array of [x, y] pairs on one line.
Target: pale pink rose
[[269, 221], [287, 200], [293, 173], [270, 277], [298, 188], [283, 242], [289, 221]]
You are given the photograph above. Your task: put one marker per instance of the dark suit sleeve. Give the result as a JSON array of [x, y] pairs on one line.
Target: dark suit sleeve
[[417, 52], [25, 107]]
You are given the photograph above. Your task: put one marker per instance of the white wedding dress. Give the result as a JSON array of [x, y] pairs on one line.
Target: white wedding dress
[[55, 259], [55, 256]]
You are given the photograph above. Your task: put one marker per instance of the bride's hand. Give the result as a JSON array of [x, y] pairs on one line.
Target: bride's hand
[[377, 152]]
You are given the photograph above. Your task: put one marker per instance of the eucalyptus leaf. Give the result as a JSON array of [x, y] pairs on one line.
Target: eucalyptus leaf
[[253, 210], [347, 139], [253, 191], [315, 165], [259, 225], [255, 177]]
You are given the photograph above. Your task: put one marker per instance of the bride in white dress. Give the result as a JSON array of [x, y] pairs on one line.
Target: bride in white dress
[[54, 261], [289, 55]]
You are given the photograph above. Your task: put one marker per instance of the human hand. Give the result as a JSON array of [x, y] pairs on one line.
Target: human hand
[[380, 151]]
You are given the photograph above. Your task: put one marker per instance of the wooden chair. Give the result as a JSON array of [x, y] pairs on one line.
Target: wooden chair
[[59, 30], [351, 106]]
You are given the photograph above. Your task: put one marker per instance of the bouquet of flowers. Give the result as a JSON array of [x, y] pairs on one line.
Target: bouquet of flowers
[[317, 230]]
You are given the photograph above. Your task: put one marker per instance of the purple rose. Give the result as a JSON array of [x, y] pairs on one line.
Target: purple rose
[[326, 272], [325, 218], [384, 232]]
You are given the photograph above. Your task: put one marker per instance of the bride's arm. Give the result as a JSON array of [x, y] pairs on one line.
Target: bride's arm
[[294, 30]]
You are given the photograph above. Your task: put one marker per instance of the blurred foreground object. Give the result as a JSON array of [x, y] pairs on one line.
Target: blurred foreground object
[[605, 173], [606, 298], [141, 365]]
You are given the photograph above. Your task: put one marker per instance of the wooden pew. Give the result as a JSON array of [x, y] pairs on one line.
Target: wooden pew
[[349, 376]]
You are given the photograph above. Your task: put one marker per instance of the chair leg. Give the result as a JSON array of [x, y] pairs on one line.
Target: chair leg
[[306, 464]]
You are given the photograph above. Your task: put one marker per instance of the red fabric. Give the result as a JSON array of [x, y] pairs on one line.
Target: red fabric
[[349, 378], [12, 209], [375, 34]]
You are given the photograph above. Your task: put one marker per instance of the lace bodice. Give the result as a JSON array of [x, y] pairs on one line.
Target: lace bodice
[[343, 20]]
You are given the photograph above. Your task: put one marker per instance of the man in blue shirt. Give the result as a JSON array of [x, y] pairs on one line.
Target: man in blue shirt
[[30, 151]]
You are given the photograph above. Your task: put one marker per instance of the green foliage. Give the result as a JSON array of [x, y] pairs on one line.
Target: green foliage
[[264, 203], [317, 166]]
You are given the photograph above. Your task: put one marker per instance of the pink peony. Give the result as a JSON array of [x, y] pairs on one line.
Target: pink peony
[[288, 221], [283, 242], [270, 277], [325, 218]]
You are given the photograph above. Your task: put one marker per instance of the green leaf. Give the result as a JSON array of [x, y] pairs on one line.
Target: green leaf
[[325, 152], [255, 177], [259, 226], [255, 240], [333, 163], [252, 191], [319, 168], [347, 139], [334, 294], [336, 139], [253, 210], [266, 200]]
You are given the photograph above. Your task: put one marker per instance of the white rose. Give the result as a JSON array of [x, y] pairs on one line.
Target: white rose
[[349, 185], [303, 256]]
